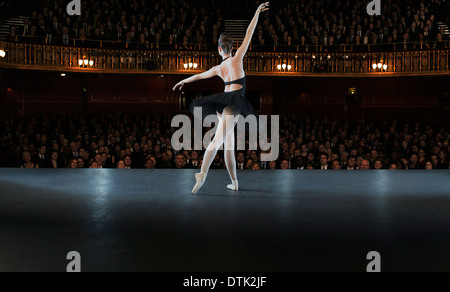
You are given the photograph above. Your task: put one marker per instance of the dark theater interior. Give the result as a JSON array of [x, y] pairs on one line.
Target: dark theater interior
[[88, 165]]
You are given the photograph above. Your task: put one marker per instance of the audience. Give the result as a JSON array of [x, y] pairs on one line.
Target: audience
[[169, 24], [143, 141]]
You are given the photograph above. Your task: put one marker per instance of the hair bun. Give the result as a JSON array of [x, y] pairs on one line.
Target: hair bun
[[226, 42]]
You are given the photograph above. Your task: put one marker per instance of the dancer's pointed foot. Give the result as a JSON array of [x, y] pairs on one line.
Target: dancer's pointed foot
[[200, 178], [234, 186]]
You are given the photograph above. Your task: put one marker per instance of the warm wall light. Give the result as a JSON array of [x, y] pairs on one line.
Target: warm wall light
[[380, 67], [284, 66], [63, 74], [2, 53], [85, 63], [190, 66]]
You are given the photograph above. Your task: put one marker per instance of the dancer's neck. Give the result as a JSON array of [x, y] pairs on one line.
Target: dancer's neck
[[226, 58]]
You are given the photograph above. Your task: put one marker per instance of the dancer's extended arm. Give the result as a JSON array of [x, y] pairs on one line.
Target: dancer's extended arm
[[250, 31], [205, 75]]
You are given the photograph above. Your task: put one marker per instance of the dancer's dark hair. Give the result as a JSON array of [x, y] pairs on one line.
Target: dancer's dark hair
[[226, 42]]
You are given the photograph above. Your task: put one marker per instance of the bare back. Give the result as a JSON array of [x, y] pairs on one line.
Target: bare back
[[230, 70]]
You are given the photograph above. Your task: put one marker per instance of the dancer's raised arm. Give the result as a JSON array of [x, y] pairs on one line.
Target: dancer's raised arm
[[205, 75], [250, 31]]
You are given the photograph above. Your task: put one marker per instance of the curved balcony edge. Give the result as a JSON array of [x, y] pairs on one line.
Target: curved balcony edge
[[112, 61]]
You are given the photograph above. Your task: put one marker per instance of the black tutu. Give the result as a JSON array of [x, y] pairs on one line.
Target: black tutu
[[213, 104]]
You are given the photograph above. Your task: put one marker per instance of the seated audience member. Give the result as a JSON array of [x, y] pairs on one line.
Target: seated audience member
[[180, 161], [55, 162], [81, 163], [93, 164], [41, 158], [127, 161], [414, 162], [284, 164], [26, 156], [99, 160], [324, 163], [149, 164], [310, 166], [336, 165], [249, 164], [272, 165], [240, 161], [194, 161], [365, 164], [393, 166], [73, 163], [256, 166], [351, 164], [120, 164], [378, 164], [218, 162], [299, 163], [443, 162]]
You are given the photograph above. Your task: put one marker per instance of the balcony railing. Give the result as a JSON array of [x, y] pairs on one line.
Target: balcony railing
[[327, 63]]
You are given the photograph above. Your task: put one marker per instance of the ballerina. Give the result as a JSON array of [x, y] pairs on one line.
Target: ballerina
[[230, 103]]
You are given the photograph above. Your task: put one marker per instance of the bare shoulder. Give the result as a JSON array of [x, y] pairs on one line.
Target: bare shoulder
[[219, 71], [237, 65], [231, 69], [237, 61]]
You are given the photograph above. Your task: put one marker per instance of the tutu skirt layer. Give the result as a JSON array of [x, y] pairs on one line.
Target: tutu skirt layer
[[213, 104]]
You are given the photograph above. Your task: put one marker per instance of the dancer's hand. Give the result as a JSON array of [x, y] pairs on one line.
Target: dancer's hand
[[179, 84], [263, 7]]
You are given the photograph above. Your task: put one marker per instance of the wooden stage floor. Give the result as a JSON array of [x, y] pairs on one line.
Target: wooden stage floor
[[142, 220]]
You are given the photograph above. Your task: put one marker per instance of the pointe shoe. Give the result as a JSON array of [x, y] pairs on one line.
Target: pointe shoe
[[234, 186], [200, 178]]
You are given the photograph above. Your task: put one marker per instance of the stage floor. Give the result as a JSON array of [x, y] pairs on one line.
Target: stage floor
[[141, 220]]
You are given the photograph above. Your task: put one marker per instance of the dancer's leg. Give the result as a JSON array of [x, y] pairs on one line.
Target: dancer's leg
[[230, 161], [222, 133], [213, 148]]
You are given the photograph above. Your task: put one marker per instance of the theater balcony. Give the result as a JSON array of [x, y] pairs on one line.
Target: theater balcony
[[343, 61], [379, 82]]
